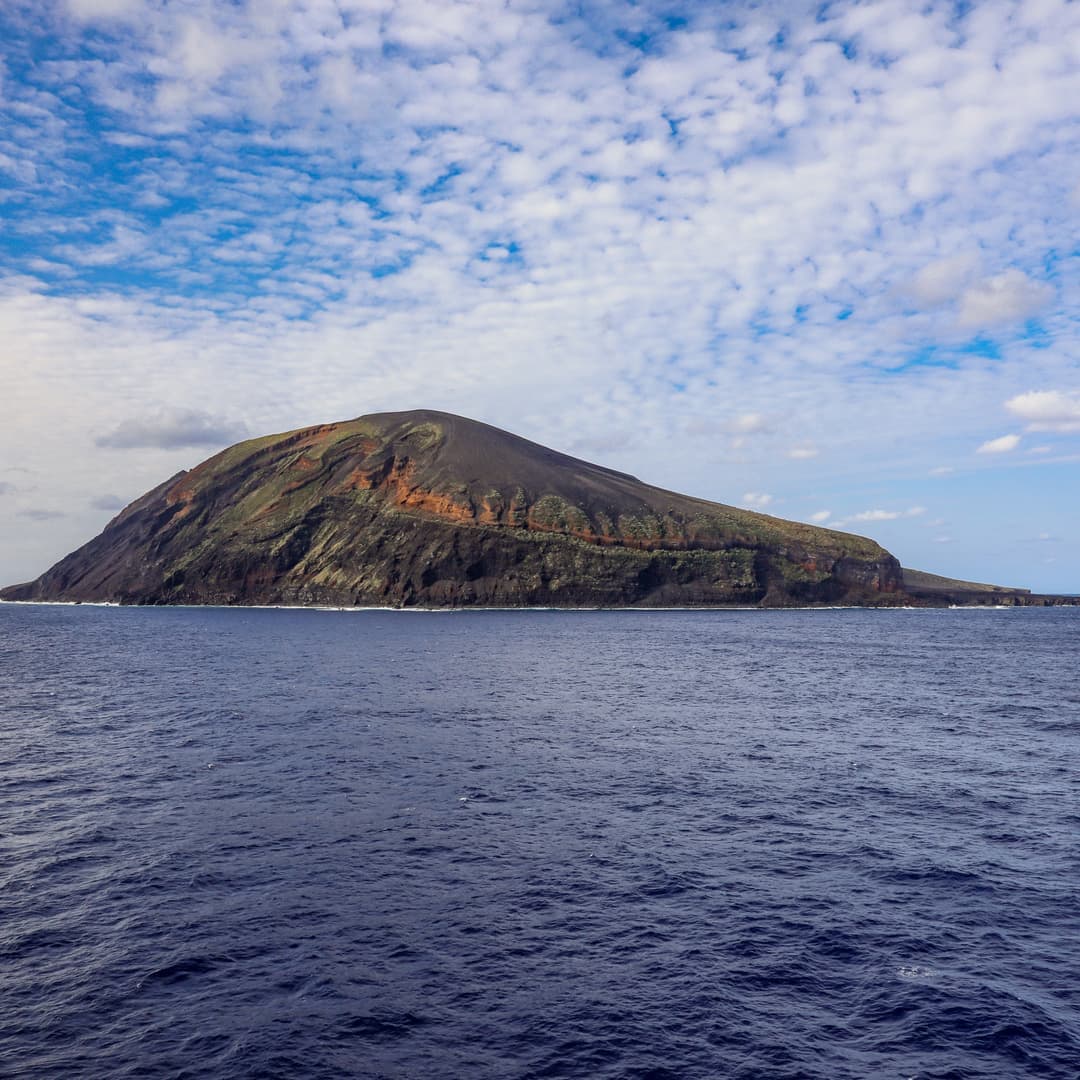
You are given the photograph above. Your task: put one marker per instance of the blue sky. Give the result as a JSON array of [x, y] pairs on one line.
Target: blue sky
[[817, 259]]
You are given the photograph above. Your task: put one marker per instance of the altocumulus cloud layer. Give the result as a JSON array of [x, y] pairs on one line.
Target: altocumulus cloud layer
[[819, 254]]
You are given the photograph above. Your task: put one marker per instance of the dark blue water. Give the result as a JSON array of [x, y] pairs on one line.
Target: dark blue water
[[495, 845]]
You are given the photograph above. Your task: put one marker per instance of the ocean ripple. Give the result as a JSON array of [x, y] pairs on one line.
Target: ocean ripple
[[836, 844]]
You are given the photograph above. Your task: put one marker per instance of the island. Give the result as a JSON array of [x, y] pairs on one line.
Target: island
[[428, 509]]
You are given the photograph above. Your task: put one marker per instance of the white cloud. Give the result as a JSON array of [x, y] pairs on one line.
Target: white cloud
[[1047, 410], [942, 280], [315, 210], [20, 169], [888, 515], [747, 426], [756, 500], [803, 453], [877, 515], [820, 516], [1002, 445], [1007, 297], [750, 424], [942, 470], [102, 9]]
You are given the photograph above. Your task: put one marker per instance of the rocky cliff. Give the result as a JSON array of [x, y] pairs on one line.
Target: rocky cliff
[[425, 508]]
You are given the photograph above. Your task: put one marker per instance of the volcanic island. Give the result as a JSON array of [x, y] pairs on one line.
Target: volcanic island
[[428, 509]]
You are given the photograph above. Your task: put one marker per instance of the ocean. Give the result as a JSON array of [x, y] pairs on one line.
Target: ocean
[[515, 844]]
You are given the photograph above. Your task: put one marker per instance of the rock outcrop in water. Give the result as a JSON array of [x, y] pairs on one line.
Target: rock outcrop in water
[[426, 508]]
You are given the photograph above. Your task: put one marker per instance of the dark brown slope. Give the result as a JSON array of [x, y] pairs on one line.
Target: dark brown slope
[[433, 509]]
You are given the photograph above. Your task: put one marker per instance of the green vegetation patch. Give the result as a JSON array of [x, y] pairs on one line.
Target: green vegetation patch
[[644, 526], [554, 512], [794, 573]]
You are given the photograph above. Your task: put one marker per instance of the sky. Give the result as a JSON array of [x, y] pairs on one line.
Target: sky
[[819, 260]]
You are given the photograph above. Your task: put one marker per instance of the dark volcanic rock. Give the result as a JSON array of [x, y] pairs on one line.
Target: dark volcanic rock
[[431, 509], [926, 588]]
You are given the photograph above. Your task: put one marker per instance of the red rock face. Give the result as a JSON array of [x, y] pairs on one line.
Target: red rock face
[[396, 479]]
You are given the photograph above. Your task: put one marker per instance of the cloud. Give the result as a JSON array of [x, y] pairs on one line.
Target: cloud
[[756, 500], [820, 516], [1047, 410], [750, 424], [1008, 297], [35, 514], [562, 219], [102, 9], [173, 429], [1002, 445], [6, 488], [942, 280], [888, 515], [876, 515], [942, 470], [803, 453], [108, 502], [747, 426]]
